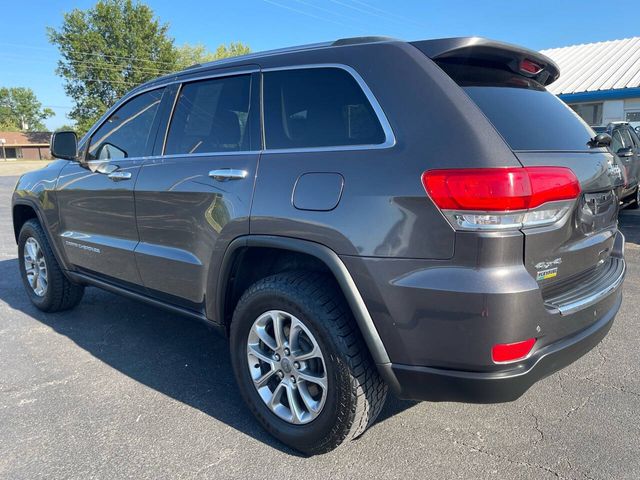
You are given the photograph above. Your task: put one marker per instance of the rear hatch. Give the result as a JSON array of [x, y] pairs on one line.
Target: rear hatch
[[508, 84]]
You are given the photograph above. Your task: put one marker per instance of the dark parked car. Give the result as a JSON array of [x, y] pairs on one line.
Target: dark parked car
[[625, 145], [357, 216]]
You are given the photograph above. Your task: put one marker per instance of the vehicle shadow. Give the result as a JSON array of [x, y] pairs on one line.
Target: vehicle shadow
[[179, 357]]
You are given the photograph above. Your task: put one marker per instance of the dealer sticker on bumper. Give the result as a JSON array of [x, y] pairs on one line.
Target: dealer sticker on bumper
[[547, 274]]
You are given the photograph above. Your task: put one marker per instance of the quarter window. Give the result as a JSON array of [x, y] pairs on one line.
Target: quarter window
[[127, 132], [211, 116], [317, 107]]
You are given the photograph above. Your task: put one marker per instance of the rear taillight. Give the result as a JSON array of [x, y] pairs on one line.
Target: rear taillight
[[499, 198]]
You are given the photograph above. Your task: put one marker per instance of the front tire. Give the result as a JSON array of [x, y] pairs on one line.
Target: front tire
[[43, 279], [301, 364]]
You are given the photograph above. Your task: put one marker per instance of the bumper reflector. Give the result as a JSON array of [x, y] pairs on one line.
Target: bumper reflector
[[511, 352]]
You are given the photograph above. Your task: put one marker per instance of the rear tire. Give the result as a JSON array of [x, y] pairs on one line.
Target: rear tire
[[47, 286], [355, 393]]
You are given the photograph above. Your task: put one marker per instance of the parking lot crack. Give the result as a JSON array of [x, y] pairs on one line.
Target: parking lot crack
[[537, 427], [521, 463]]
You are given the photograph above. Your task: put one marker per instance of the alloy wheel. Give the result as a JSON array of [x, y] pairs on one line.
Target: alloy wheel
[[287, 367], [35, 266]]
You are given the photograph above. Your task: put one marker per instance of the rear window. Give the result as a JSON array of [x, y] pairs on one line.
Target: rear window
[[526, 115], [317, 107]]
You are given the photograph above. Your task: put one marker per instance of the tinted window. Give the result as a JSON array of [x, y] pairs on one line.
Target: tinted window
[[211, 116], [626, 138], [532, 119], [634, 137], [317, 107], [526, 115], [616, 141], [126, 133]]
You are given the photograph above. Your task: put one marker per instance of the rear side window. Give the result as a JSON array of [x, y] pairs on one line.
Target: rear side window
[[317, 107], [526, 115], [127, 132], [211, 116]]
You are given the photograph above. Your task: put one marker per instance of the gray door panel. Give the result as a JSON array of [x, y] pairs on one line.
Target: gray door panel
[[97, 208], [97, 215], [187, 218]]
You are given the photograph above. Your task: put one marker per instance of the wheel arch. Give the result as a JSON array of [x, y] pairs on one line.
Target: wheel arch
[[322, 256], [24, 210]]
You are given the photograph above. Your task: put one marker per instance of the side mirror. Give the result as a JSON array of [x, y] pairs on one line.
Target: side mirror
[[64, 145], [625, 152], [600, 140]]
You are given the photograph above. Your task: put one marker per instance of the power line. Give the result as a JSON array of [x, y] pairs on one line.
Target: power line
[[302, 12], [110, 67], [331, 12], [386, 12], [79, 52], [386, 15]]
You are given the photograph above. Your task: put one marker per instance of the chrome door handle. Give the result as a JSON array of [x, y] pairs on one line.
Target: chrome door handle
[[224, 174], [119, 175]]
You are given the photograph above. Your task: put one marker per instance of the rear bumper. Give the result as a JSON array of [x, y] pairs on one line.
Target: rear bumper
[[434, 384], [439, 321]]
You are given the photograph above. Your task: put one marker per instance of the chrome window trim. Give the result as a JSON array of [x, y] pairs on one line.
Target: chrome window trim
[[390, 139], [175, 103], [163, 84], [205, 154]]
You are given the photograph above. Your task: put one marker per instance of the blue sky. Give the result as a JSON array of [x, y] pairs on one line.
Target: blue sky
[[27, 59]]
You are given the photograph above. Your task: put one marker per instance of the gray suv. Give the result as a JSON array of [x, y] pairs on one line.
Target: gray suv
[[625, 145], [357, 216]]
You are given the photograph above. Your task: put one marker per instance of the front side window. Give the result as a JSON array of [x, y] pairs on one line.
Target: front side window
[[317, 107], [616, 141], [126, 133], [211, 116], [626, 138]]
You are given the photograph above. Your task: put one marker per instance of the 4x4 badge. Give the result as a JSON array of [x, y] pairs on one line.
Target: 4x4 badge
[[548, 264]]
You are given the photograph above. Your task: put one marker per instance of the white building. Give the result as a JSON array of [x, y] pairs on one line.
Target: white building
[[600, 81]]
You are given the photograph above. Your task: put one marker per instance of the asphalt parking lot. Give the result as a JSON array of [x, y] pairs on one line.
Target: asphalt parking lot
[[118, 389]]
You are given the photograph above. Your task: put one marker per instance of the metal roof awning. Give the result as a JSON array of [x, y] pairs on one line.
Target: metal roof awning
[[597, 71]]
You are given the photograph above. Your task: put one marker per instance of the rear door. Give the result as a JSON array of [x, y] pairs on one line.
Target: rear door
[[635, 159], [194, 196], [97, 211]]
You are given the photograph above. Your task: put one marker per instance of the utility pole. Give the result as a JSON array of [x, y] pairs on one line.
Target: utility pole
[[4, 154]]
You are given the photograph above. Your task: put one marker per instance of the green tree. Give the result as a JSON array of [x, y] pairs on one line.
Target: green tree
[[193, 54], [106, 51], [21, 110]]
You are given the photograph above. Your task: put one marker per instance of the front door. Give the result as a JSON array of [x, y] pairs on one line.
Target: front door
[[195, 197], [97, 211]]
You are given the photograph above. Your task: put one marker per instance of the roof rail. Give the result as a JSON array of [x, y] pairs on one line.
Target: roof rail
[[356, 40]]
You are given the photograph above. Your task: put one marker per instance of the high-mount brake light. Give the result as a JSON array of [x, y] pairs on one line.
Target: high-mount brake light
[[502, 198], [530, 67]]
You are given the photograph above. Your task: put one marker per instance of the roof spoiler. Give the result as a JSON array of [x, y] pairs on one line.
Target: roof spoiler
[[465, 49]]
